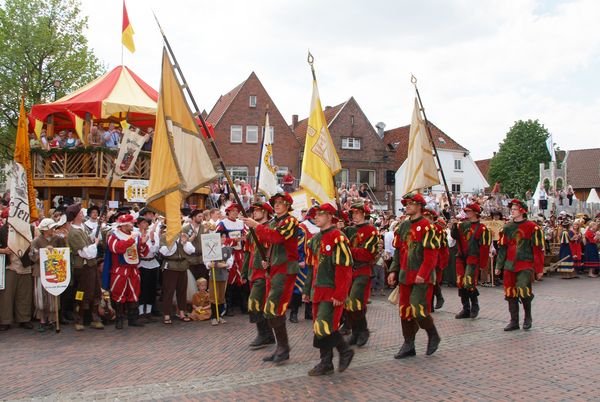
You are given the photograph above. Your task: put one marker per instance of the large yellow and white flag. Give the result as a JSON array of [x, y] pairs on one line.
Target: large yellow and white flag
[[180, 163], [267, 172], [321, 161], [420, 171]]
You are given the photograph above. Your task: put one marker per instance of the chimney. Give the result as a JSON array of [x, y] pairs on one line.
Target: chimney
[[494, 154], [294, 121], [380, 129]]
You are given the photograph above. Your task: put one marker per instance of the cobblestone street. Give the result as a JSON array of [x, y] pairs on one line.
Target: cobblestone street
[[556, 360]]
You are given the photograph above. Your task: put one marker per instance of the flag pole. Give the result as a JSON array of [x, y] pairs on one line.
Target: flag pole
[[413, 80], [260, 152], [311, 60], [211, 140]]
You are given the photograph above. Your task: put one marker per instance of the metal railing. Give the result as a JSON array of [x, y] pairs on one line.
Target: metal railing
[[84, 165]]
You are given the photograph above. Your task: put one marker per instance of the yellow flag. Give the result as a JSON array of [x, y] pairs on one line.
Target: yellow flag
[[127, 32], [420, 170], [23, 157], [321, 161], [79, 127], [125, 125], [180, 164], [38, 128]]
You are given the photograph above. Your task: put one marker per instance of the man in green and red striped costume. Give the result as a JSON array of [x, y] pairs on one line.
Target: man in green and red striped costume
[[280, 233], [521, 255], [253, 271], [330, 276], [364, 242], [413, 267]]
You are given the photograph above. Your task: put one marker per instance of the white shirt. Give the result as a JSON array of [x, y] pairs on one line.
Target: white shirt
[[388, 240], [188, 248], [88, 252], [153, 244]]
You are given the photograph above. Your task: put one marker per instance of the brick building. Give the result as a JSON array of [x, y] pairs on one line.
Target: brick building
[[238, 118], [364, 156]]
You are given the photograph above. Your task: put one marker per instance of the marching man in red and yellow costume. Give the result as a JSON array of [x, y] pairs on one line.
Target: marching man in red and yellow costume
[[521, 255], [413, 267], [473, 240], [126, 247], [364, 241], [330, 276], [280, 234]]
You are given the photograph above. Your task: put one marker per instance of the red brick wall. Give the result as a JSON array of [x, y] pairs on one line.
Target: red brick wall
[[285, 147], [373, 154]]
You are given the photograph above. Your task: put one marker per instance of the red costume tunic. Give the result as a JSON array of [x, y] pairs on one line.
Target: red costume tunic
[[443, 252], [474, 247], [126, 251]]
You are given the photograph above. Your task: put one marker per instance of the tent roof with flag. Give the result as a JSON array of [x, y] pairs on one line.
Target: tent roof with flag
[[116, 93]]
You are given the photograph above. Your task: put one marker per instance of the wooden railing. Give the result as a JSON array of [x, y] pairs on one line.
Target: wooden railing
[[84, 165]]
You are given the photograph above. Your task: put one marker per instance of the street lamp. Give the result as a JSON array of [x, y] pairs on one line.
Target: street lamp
[[56, 85]]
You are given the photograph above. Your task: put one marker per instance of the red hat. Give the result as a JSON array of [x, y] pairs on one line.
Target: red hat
[[441, 221], [521, 204], [327, 208], [473, 207], [264, 206], [311, 213], [125, 219], [232, 207], [431, 212], [286, 197], [413, 198]]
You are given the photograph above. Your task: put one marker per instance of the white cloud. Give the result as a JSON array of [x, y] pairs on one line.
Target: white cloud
[[481, 65]]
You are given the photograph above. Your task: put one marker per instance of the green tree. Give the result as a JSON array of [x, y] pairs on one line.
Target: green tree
[[516, 164], [45, 53]]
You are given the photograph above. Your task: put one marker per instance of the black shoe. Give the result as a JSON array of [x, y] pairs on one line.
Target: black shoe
[[463, 314], [321, 369], [433, 342], [474, 311], [119, 323], [26, 325], [269, 358], [512, 326], [439, 303], [527, 325], [363, 338], [294, 317], [407, 350], [281, 357], [229, 313]]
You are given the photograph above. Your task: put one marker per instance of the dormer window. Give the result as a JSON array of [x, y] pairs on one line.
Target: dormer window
[[252, 101]]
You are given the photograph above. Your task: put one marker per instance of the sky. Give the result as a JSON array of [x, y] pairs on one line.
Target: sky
[[480, 65]]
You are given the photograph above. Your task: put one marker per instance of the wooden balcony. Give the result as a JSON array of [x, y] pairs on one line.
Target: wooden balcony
[[82, 168]]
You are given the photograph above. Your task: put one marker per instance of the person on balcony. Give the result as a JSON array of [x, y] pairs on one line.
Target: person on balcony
[[362, 191], [71, 141], [95, 137], [112, 137]]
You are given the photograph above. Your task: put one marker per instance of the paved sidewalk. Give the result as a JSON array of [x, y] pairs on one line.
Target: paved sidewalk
[[556, 360]]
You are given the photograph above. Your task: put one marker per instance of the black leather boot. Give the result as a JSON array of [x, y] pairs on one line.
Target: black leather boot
[[294, 316], [439, 299], [133, 314], [264, 335], [325, 365], [119, 312], [474, 303], [363, 330], [466, 310], [409, 330], [346, 354], [433, 338], [513, 309], [282, 352], [527, 308]]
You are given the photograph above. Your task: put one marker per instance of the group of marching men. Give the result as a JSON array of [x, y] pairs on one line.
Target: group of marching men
[[338, 262]]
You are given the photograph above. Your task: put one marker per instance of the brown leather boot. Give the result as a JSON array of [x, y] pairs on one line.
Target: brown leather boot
[[282, 352], [96, 321]]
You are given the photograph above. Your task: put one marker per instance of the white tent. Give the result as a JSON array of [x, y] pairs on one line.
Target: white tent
[[593, 197]]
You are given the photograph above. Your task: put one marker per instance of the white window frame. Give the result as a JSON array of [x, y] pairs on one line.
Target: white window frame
[[238, 172], [459, 168], [252, 140], [252, 101], [343, 177], [238, 131], [359, 182], [352, 143]]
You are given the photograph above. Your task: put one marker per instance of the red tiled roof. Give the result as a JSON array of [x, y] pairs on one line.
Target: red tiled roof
[[398, 138], [583, 168], [329, 112], [222, 105], [484, 166]]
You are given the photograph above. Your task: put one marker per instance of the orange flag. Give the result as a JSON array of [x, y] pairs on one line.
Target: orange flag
[[23, 157], [127, 34]]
